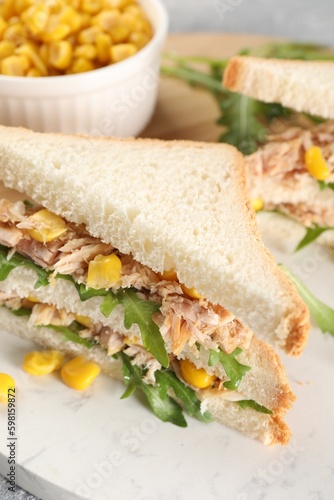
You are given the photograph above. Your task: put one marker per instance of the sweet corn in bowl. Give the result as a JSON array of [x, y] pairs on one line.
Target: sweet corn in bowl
[[87, 66]]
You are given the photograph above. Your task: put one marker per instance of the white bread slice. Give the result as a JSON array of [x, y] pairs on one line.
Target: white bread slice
[[270, 429], [178, 205], [305, 86]]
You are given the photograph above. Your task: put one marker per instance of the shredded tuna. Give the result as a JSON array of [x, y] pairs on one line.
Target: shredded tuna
[[112, 341], [43, 254], [77, 261], [144, 359], [9, 235], [45, 314], [11, 212]]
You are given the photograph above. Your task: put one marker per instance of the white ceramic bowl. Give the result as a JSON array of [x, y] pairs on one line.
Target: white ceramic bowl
[[116, 100]]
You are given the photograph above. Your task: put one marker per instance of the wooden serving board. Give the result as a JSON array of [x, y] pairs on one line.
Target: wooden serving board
[[185, 112]]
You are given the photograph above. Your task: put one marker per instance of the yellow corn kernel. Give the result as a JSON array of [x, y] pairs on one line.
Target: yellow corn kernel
[[49, 226], [14, 33], [71, 17], [31, 298], [60, 54], [3, 25], [117, 4], [35, 18], [88, 35], [169, 275], [79, 373], [104, 271], [7, 9], [316, 163], [139, 39], [42, 363], [83, 320], [103, 43], [21, 5], [6, 49], [257, 204], [6, 383], [14, 65], [122, 51], [34, 73], [31, 52], [107, 19], [58, 33], [119, 34], [91, 6], [129, 20], [197, 377], [144, 26], [191, 292], [88, 51], [80, 65]]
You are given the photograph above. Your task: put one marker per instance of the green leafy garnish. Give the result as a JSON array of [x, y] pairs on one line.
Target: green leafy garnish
[[71, 333], [163, 406], [16, 260], [233, 369], [323, 185], [249, 403], [246, 121], [109, 303], [22, 311], [139, 311], [322, 314], [312, 233], [167, 379]]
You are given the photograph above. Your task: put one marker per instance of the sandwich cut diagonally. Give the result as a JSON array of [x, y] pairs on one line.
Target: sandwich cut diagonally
[[188, 278]]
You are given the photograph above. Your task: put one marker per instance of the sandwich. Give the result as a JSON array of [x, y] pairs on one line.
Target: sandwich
[[137, 255], [293, 173]]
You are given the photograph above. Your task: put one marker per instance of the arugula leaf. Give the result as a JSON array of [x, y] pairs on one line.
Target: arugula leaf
[[86, 293], [323, 185], [109, 303], [22, 311], [71, 333], [167, 379], [249, 403], [165, 408], [312, 233], [140, 312], [16, 260], [322, 314], [234, 370]]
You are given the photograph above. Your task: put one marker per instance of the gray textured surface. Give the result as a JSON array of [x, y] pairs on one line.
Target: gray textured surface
[[299, 19]]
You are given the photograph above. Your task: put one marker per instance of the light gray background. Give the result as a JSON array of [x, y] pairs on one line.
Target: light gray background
[[306, 20]]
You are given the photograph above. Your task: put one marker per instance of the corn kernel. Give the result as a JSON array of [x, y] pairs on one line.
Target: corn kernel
[[21, 5], [122, 51], [6, 383], [103, 43], [80, 65], [169, 275], [316, 163], [60, 54], [58, 33], [49, 226], [31, 298], [104, 271], [131, 340], [32, 54], [7, 9], [42, 363], [70, 17], [6, 49], [139, 39], [14, 65], [3, 26], [191, 292], [88, 51], [117, 4], [91, 6], [88, 35], [83, 320], [14, 33], [36, 18], [79, 373], [107, 19], [119, 34], [197, 377], [257, 204]]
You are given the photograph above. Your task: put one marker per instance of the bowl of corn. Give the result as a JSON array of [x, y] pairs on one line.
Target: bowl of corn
[[80, 66]]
